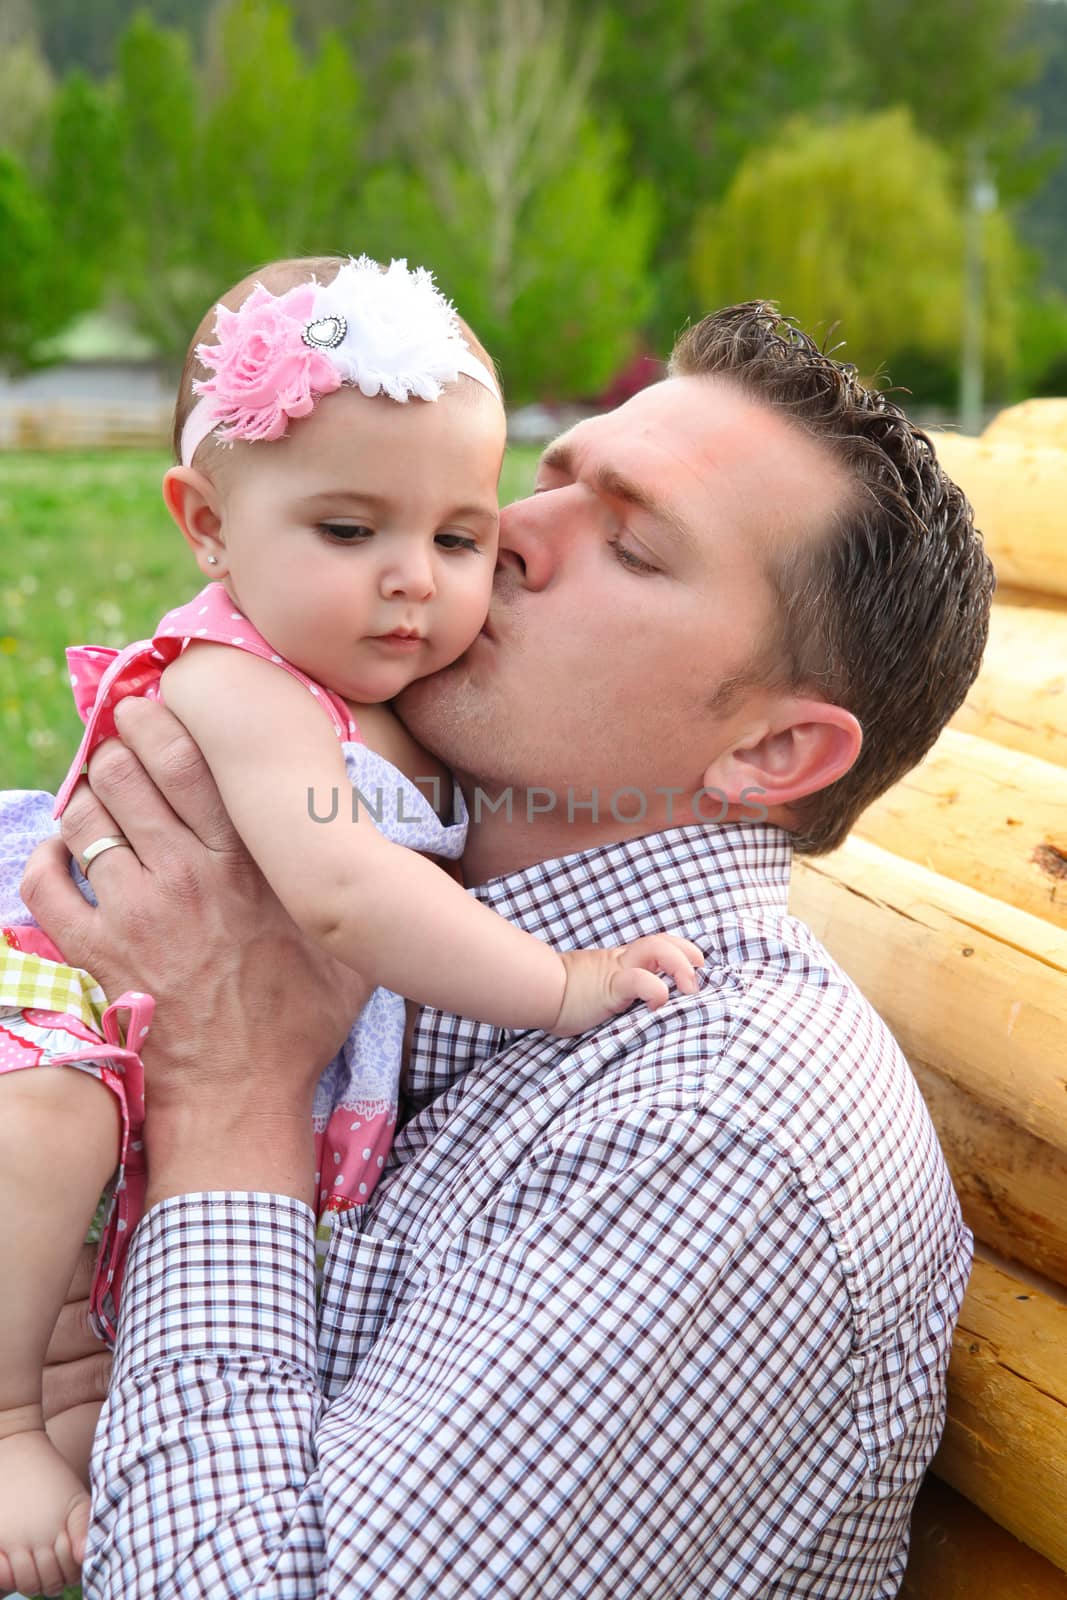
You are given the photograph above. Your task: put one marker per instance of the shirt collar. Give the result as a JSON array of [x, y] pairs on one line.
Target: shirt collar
[[692, 876]]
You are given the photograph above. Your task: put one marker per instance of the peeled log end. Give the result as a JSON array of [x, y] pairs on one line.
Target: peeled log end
[[958, 1553], [1011, 1185], [1017, 491], [1005, 1441], [1041, 422]]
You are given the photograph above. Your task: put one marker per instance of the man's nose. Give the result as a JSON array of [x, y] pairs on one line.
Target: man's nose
[[408, 575], [533, 537]]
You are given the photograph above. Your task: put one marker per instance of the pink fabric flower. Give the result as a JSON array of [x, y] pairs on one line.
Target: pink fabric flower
[[264, 373]]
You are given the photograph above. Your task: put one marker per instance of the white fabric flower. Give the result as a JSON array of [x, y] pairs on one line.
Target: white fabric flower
[[401, 336]]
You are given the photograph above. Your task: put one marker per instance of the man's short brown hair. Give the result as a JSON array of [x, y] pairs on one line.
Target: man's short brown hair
[[888, 615]]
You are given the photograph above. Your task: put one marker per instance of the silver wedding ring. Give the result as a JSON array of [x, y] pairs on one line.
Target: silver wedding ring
[[98, 846]]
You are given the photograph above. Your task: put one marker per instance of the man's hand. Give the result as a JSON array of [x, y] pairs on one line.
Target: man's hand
[[248, 1012], [76, 1373]]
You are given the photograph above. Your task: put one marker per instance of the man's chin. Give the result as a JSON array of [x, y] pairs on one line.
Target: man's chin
[[427, 706]]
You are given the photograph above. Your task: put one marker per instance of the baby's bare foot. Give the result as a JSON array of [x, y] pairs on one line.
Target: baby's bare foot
[[44, 1516]]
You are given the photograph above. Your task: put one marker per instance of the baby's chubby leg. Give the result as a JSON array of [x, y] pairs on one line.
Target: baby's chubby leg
[[59, 1132]]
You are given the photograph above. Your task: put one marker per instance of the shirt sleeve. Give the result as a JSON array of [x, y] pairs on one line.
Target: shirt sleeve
[[635, 1390]]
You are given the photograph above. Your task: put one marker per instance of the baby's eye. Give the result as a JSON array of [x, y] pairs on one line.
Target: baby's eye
[[456, 541], [347, 532]]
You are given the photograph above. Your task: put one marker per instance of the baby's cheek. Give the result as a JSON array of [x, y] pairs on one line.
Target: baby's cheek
[[465, 617]]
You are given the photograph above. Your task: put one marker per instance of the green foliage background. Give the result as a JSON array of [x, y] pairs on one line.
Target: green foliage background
[[798, 222], [571, 172]]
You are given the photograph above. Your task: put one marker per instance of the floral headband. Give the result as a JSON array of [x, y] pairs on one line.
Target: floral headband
[[390, 332]]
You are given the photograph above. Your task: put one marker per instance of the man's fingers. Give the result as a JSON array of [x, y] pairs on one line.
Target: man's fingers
[[75, 1383], [73, 1336], [171, 764], [56, 903], [82, 1281], [72, 1432], [120, 798], [86, 820]]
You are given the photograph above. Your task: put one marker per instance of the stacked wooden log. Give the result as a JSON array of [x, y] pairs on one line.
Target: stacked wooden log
[[948, 906]]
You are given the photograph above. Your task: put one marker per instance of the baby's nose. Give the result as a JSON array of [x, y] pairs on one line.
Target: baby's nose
[[409, 576]]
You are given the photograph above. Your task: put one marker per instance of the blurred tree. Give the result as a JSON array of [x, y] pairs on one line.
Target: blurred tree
[[857, 224], [250, 155], [76, 34], [1043, 220], [384, 38], [84, 187], [85, 33], [1042, 335], [159, 137], [698, 83], [26, 83], [57, 229], [958, 65], [275, 184], [515, 196], [27, 314]]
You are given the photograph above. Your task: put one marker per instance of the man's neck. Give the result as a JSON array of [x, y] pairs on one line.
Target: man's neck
[[496, 846]]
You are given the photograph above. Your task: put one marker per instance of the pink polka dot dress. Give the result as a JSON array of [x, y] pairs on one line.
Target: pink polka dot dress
[[52, 1014]]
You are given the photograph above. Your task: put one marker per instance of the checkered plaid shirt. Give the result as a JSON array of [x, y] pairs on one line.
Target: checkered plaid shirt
[[662, 1311]]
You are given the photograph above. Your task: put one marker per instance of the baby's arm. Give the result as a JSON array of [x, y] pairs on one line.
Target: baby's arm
[[380, 908]]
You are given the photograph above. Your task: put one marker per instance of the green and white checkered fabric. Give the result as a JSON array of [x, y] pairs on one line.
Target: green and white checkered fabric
[[29, 980]]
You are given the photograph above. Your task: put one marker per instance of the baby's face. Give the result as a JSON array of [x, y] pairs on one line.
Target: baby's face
[[362, 546]]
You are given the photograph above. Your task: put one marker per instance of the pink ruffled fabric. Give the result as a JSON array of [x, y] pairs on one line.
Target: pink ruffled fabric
[[100, 677], [264, 373]]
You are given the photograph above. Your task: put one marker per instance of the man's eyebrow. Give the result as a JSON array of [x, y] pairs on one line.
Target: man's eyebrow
[[559, 457], [619, 487]]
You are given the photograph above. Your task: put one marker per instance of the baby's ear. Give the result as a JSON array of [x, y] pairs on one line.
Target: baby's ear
[[192, 501]]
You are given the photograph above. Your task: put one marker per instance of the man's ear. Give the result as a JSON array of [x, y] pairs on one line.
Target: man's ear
[[801, 748], [193, 502]]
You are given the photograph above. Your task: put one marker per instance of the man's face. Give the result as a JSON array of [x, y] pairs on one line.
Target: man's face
[[631, 585]]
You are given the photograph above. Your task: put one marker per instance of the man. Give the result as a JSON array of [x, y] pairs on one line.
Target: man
[[661, 1311]]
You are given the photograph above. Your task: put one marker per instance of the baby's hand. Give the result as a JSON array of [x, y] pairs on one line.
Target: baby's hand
[[601, 983]]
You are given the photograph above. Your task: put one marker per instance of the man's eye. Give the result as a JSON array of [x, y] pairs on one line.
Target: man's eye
[[456, 541], [629, 560], [347, 532]]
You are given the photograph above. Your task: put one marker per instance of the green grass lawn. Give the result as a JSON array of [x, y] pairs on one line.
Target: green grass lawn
[[89, 557]]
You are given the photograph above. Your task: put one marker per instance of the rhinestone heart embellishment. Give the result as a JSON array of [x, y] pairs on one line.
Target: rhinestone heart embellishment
[[325, 333]]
